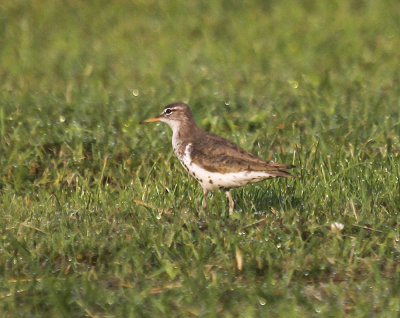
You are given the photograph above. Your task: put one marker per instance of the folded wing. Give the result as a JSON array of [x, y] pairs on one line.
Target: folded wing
[[229, 157]]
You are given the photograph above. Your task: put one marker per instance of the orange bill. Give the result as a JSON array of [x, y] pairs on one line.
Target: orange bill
[[150, 120]]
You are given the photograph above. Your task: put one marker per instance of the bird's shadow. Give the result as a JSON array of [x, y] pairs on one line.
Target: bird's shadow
[[261, 201], [266, 199]]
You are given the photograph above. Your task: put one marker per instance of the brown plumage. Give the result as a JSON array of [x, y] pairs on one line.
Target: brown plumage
[[229, 157], [213, 160]]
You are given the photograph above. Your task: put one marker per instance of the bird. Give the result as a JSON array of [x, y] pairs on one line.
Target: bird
[[215, 162]]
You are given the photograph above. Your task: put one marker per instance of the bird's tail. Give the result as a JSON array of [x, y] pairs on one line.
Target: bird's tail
[[283, 173], [280, 171]]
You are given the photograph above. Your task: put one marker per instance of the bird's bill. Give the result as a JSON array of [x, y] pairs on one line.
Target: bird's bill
[[150, 120]]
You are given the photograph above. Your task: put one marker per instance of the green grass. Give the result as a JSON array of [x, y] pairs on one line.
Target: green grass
[[98, 218]]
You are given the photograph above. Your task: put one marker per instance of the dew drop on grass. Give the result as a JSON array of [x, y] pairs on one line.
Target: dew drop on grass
[[293, 83], [262, 301]]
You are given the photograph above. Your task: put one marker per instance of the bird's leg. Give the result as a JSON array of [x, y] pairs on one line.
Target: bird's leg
[[204, 203], [231, 203]]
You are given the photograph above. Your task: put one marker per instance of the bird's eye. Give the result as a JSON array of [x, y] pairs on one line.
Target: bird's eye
[[168, 111]]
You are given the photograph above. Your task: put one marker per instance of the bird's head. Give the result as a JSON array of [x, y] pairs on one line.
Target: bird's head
[[174, 115]]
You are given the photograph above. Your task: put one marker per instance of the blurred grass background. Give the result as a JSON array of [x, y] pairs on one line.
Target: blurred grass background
[[97, 218]]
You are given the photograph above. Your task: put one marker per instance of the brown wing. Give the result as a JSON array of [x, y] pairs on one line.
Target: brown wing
[[229, 157]]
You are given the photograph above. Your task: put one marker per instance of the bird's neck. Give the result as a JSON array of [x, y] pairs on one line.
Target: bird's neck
[[184, 129], [182, 133]]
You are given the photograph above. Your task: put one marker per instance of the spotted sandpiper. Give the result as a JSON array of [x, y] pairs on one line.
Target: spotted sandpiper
[[213, 161]]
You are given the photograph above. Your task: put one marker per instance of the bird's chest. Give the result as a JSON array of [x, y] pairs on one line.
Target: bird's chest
[[179, 146], [182, 151]]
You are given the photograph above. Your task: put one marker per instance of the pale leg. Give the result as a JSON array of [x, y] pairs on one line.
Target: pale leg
[[204, 203], [231, 203]]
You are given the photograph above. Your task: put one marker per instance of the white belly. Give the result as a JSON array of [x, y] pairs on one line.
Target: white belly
[[213, 180]]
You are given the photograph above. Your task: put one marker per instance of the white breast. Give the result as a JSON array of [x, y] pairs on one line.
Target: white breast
[[213, 180]]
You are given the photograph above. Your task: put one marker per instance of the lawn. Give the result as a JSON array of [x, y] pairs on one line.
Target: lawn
[[99, 219]]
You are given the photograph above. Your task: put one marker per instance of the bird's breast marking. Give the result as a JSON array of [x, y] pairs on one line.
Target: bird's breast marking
[[187, 158]]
